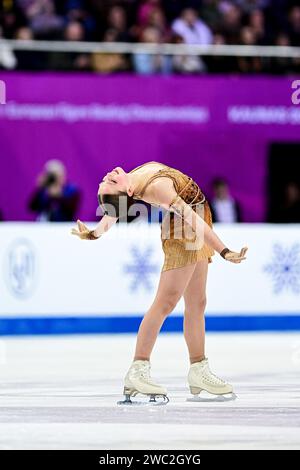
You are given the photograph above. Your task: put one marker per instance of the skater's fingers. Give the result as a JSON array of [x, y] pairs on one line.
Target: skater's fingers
[[234, 257], [83, 234], [239, 257], [82, 227], [75, 232], [243, 251]]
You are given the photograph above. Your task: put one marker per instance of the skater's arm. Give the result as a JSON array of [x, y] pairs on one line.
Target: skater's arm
[[171, 201], [103, 226], [198, 225]]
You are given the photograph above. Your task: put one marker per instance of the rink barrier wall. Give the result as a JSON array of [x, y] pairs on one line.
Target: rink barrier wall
[[130, 324], [53, 283]]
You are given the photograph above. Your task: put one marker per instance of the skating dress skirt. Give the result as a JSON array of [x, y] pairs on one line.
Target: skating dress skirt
[[179, 242]]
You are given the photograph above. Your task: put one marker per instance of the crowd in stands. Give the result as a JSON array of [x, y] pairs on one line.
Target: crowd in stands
[[204, 22]]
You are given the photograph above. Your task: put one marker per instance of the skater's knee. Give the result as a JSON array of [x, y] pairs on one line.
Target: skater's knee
[[195, 306], [202, 304], [169, 302]]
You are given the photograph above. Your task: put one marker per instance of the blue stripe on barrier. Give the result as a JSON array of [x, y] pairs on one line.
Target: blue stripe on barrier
[[130, 324]]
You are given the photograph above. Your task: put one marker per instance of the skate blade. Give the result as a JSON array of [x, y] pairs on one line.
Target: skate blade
[[209, 397], [155, 400]]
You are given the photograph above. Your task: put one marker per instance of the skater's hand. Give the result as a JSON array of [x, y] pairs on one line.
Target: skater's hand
[[83, 232], [235, 257]]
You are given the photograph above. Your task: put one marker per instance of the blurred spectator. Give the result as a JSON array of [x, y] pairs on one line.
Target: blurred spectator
[[117, 21], [211, 14], [150, 14], [28, 60], [279, 65], [249, 64], [73, 31], [146, 64], [7, 57], [248, 6], [184, 63], [11, 18], [289, 211], [294, 26], [42, 18], [24, 34], [231, 23], [54, 200], [74, 10], [224, 208], [145, 10], [157, 19], [250, 22], [108, 63], [192, 29], [258, 26]]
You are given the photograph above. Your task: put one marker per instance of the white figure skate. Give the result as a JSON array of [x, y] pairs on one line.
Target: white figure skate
[[138, 380], [205, 386]]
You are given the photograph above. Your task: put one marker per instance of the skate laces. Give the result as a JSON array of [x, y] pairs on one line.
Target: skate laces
[[143, 370], [144, 373], [213, 377], [209, 376]]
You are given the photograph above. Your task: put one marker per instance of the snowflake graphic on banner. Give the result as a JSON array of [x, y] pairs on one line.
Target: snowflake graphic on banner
[[141, 269], [285, 268]]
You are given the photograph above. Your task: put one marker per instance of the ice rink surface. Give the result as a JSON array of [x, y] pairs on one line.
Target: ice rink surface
[[60, 392]]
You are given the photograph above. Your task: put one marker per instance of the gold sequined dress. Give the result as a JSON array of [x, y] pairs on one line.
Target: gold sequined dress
[[179, 242]]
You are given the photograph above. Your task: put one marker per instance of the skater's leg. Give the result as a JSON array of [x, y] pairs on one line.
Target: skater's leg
[[170, 289], [200, 378], [194, 320]]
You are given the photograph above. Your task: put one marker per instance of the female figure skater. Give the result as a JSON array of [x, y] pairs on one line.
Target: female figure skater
[[184, 271]]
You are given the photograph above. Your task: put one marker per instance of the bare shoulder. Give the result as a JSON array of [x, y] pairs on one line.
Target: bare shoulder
[[164, 190]]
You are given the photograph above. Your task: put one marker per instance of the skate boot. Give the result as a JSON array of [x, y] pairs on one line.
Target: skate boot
[[205, 386], [138, 380]]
